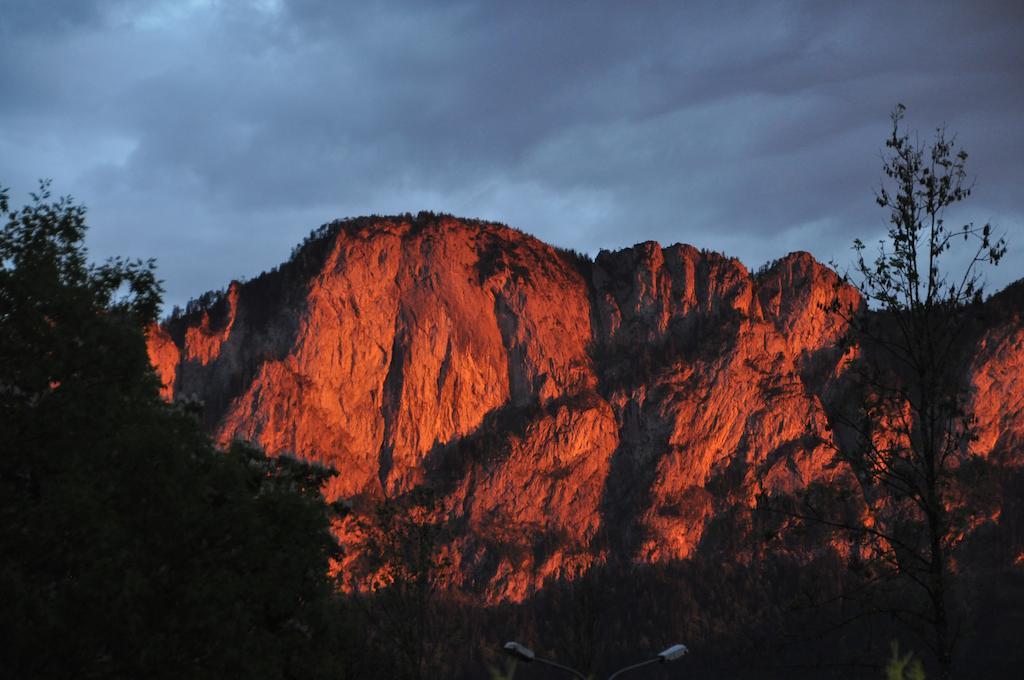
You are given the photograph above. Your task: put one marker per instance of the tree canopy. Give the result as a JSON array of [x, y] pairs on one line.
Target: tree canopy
[[130, 545]]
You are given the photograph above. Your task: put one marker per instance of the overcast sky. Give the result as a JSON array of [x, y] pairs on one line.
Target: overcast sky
[[215, 135]]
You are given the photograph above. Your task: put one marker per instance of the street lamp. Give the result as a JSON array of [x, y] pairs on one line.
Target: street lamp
[[671, 654], [526, 654]]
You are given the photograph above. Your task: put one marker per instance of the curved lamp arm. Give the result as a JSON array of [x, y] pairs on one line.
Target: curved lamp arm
[[526, 654], [561, 667], [671, 654]]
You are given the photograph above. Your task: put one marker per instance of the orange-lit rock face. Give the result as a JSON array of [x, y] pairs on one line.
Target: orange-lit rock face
[[565, 409], [408, 340], [539, 508], [164, 355], [792, 295], [203, 343], [729, 404], [998, 397]]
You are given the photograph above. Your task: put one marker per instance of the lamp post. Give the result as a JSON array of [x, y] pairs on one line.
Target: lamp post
[[526, 654]]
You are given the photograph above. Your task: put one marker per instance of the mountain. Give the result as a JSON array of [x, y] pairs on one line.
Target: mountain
[[569, 412]]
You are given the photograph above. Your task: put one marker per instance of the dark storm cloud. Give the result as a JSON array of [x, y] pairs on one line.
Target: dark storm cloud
[[214, 135]]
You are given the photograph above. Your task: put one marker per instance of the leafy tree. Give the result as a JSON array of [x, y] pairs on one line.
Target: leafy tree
[[906, 440], [415, 625], [130, 546]]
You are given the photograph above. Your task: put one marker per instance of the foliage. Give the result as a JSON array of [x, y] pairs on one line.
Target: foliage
[[508, 674], [413, 624], [906, 276], [903, 667], [129, 545]]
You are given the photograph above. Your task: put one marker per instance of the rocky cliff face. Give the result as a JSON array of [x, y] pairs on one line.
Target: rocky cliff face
[[568, 411]]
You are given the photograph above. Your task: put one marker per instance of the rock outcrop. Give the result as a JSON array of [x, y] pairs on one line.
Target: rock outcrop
[[567, 410]]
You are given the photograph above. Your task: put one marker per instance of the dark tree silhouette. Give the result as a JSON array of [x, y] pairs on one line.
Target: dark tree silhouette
[[414, 620], [130, 546], [907, 438]]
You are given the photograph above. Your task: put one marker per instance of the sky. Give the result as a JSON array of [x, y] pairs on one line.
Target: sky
[[214, 135]]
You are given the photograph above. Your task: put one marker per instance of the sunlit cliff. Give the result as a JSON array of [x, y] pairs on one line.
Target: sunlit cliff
[[567, 410]]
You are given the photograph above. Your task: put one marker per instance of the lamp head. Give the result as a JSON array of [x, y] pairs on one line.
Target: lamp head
[[519, 651], [672, 653]]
